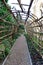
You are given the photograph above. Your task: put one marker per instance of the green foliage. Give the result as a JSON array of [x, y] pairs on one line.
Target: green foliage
[[6, 0], [30, 44], [33, 45], [4, 11], [7, 43], [7, 51], [21, 29], [16, 35], [21, 26], [7, 46], [2, 56], [2, 47], [27, 37]]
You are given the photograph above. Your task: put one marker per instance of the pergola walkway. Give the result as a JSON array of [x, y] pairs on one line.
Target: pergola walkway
[[19, 54]]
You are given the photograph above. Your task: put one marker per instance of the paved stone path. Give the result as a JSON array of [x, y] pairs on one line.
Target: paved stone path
[[19, 54]]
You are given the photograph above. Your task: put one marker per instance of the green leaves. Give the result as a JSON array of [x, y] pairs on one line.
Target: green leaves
[[6, 1], [21, 26], [7, 46]]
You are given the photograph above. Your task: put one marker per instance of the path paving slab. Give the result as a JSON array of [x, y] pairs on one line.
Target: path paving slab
[[19, 54]]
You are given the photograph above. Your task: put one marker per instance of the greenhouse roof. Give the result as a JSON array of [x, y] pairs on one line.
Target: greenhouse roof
[[21, 6]]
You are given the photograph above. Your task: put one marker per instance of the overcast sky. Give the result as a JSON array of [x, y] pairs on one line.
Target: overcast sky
[[17, 6], [37, 10]]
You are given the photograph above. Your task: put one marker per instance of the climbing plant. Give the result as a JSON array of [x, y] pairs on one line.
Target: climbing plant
[[5, 15], [9, 25]]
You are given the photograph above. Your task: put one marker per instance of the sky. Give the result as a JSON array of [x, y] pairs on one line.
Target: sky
[[17, 6], [25, 8], [35, 9]]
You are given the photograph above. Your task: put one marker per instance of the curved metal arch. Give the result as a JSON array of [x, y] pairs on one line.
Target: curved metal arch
[[34, 15], [33, 21], [9, 9], [31, 16]]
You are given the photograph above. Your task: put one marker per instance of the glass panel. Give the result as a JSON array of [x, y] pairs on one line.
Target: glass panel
[[13, 5], [25, 2], [25, 8]]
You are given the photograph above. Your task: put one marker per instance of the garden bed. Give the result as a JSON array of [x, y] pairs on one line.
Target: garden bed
[[35, 56]]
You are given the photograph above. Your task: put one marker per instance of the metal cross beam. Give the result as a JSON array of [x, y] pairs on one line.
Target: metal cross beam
[[9, 9], [17, 12], [20, 11], [20, 5], [36, 20], [29, 10]]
